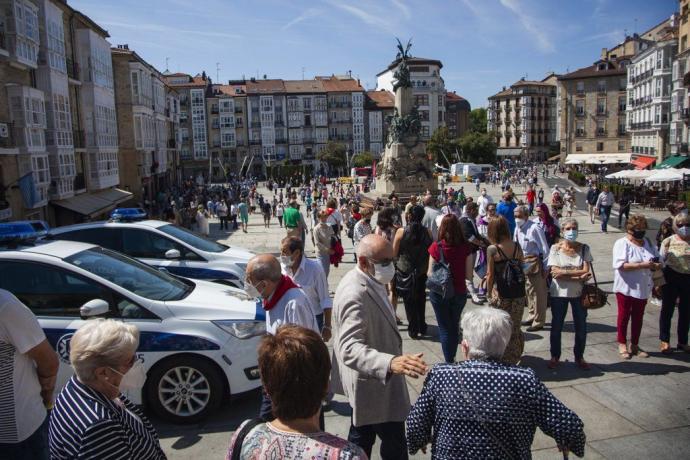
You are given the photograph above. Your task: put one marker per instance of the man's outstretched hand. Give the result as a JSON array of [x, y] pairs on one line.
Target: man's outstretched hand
[[409, 365]]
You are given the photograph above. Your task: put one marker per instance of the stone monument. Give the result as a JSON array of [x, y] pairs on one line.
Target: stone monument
[[404, 167]]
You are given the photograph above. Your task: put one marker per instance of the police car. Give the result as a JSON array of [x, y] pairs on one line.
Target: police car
[[198, 339], [164, 245]]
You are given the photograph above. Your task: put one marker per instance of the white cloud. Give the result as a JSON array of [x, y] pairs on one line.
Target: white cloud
[[307, 14], [404, 9], [364, 16], [158, 28], [543, 41]]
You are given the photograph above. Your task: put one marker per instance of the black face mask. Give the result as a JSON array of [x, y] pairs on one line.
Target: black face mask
[[368, 221], [639, 234]]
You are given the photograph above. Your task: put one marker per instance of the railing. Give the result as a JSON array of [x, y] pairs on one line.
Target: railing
[[601, 113], [281, 140], [621, 132], [579, 134], [580, 113], [214, 110], [254, 141], [79, 139], [340, 120], [601, 133], [686, 114], [339, 104], [72, 69], [643, 125], [238, 109], [255, 124], [7, 142]]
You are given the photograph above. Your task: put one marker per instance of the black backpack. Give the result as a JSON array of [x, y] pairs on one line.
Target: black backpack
[[510, 279]]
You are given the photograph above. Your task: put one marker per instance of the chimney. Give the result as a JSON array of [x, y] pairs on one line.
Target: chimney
[[126, 46]]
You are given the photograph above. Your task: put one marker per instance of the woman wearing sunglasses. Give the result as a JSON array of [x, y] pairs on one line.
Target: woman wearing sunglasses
[[675, 254]]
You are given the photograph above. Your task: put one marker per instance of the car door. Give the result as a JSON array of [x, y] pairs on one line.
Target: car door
[[150, 247]]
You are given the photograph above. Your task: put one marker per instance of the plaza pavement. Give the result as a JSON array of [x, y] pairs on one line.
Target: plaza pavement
[[637, 409]]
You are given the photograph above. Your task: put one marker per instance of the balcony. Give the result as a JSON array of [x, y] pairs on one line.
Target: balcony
[[580, 113], [9, 141], [340, 120], [642, 125], [601, 133], [79, 182], [214, 110], [254, 141], [281, 140], [72, 69], [685, 115], [238, 109], [621, 132], [79, 139], [602, 113], [579, 133], [339, 104]]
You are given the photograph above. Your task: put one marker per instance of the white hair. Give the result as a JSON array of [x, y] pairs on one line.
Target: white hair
[[101, 343], [487, 332]]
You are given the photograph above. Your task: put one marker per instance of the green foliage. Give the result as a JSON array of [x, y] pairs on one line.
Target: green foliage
[[478, 147], [363, 160], [334, 155], [577, 177], [441, 146], [478, 120]]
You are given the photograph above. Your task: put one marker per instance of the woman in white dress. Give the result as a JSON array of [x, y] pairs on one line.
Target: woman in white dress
[[202, 220]]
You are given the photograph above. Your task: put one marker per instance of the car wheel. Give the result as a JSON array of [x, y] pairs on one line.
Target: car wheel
[[184, 389]]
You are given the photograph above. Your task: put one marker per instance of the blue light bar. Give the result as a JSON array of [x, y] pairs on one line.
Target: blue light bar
[[23, 230], [128, 214]]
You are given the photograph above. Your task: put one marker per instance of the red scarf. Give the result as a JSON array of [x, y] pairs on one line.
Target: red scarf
[[284, 285]]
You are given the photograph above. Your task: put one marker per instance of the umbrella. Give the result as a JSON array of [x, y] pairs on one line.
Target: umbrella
[[665, 175]]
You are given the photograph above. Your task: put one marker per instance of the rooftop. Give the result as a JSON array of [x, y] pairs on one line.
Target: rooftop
[[462, 102], [340, 84], [613, 69], [267, 86], [304, 86], [412, 61], [381, 99]]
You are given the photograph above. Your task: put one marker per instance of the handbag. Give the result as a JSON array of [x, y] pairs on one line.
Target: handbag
[[592, 296], [405, 283], [441, 279], [237, 446]]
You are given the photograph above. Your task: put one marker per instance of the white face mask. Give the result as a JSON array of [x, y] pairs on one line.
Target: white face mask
[[384, 273], [683, 232], [251, 290], [133, 379], [519, 222]]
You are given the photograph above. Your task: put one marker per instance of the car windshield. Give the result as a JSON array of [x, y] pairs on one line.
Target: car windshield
[[130, 274], [193, 239]]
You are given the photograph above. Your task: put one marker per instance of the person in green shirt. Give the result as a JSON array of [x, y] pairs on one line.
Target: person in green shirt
[[291, 217], [244, 214]]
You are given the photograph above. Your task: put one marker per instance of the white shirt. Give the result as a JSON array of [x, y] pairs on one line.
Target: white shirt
[[293, 308], [531, 239], [483, 201], [605, 199], [633, 283], [21, 405], [312, 279], [335, 218], [561, 287]]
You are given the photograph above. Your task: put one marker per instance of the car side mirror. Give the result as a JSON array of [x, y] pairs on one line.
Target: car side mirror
[[95, 307], [172, 254]]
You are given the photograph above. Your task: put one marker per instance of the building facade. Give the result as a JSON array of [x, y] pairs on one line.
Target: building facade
[[523, 118], [428, 89], [227, 129], [649, 97], [592, 104], [379, 106], [58, 132], [345, 112], [147, 109], [307, 118], [457, 114]]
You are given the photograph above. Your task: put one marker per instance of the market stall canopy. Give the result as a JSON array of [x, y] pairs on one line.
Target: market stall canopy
[[555, 158], [673, 162], [665, 175], [598, 158], [643, 162], [634, 174]]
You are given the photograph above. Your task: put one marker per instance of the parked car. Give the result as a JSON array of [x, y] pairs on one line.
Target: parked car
[[164, 245], [198, 339]]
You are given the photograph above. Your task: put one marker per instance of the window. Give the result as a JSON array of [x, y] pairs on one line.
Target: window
[[580, 107], [578, 147], [580, 87], [421, 99], [621, 104], [601, 106], [56, 45], [601, 86], [47, 290], [579, 129], [600, 146], [621, 146], [601, 127]]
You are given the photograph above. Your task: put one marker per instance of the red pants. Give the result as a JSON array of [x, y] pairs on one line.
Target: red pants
[[630, 307]]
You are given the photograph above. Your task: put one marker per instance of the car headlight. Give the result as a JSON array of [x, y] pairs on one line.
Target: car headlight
[[242, 329]]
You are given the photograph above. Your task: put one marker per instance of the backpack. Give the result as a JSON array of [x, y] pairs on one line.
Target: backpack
[[510, 281], [441, 279], [351, 222]]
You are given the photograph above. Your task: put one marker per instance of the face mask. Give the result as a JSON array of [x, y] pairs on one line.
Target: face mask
[[368, 221], [570, 235], [384, 273], [683, 232], [483, 192], [251, 290], [639, 234], [519, 222], [683, 212], [133, 379]]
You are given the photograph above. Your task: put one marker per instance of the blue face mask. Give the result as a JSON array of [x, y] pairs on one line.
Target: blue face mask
[[570, 235]]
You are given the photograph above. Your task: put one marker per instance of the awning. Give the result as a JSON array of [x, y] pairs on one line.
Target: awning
[[508, 152], [643, 162], [672, 162], [555, 157], [598, 158], [93, 204]]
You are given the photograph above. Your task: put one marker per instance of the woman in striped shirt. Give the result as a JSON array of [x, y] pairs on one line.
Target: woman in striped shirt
[[91, 418]]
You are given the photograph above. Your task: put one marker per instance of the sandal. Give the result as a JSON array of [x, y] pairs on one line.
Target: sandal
[[635, 350], [553, 363], [665, 348], [623, 352]]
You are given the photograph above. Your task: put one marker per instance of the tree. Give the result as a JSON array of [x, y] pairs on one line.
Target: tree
[[478, 120], [441, 146], [362, 160], [478, 147], [334, 155]]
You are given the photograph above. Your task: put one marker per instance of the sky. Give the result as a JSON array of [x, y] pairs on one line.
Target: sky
[[483, 44]]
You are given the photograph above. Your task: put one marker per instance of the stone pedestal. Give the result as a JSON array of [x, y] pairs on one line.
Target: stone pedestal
[[405, 171]]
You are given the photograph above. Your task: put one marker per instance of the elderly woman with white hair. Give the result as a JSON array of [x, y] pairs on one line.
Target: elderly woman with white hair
[[92, 418], [483, 408]]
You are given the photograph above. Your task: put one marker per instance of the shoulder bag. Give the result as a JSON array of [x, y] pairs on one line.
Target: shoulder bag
[[441, 279], [592, 296]]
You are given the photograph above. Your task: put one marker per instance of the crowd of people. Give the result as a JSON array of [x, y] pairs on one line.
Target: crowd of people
[[519, 252]]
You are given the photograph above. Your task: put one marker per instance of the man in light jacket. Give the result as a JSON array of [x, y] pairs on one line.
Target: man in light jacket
[[369, 365]]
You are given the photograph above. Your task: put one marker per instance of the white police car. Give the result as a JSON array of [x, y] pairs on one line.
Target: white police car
[[164, 245], [198, 339]]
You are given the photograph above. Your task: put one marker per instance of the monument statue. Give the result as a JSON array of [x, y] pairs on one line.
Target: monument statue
[[404, 167]]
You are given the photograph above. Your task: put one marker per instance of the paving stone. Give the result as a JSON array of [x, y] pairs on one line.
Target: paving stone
[[669, 444]]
